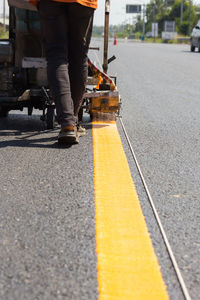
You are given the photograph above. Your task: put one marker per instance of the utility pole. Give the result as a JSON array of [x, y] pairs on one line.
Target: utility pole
[[154, 13], [4, 15], [106, 30], [189, 18], [144, 14]]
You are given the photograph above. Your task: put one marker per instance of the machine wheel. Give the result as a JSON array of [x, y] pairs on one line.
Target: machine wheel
[[30, 110], [199, 46], [50, 117], [80, 115], [192, 48], [91, 116], [3, 112]]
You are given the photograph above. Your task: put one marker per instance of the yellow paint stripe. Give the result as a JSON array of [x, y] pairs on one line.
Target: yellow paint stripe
[[126, 262]]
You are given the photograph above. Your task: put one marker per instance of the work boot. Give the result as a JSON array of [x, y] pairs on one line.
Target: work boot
[[68, 135], [81, 130]]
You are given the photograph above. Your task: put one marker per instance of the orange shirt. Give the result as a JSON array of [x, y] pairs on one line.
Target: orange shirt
[[89, 3]]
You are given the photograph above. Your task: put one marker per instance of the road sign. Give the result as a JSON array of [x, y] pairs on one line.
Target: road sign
[[133, 9], [168, 35], [154, 29], [169, 26]]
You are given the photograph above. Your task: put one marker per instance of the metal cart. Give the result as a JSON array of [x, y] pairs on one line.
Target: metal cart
[[23, 76]]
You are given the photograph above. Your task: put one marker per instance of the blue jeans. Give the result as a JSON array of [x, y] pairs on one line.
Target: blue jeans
[[66, 31]]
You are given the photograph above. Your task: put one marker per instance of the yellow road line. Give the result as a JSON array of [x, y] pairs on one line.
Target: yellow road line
[[126, 263]]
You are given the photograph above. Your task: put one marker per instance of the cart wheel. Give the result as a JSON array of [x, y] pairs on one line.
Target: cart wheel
[[50, 118], [3, 112], [91, 116], [30, 110], [192, 48], [80, 115]]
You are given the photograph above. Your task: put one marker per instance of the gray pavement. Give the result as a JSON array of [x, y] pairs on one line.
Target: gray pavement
[[47, 236], [160, 90]]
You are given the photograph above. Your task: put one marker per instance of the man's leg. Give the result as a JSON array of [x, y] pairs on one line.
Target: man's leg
[[80, 21], [54, 25]]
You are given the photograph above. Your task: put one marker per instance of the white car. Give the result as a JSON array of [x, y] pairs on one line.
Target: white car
[[195, 38]]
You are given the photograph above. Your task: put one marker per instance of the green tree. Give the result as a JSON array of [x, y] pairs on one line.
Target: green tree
[[189, 16], [97, 30], [157, 11], [160, 11]]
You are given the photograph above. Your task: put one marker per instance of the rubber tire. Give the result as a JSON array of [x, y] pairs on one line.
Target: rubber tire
[[91, 116], [3, 112], [199, 46], [50, 118], [192, 48], [80, 114]]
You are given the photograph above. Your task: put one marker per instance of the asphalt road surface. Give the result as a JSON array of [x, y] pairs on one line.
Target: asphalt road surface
[[47, 236], [160, 91]]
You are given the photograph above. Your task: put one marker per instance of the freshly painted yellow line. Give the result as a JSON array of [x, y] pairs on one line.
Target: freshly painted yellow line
[[126, 262]]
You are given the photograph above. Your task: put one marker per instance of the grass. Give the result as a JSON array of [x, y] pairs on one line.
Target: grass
[[152, 40], [3, 34], [178, 40]]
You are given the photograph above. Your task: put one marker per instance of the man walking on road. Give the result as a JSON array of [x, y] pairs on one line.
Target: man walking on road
[[66, 30]]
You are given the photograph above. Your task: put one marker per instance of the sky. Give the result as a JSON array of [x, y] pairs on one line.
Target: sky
[[117, 13]]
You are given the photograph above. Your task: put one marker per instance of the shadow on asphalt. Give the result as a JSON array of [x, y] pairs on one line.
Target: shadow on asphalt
[[188, 51], [24, 128], [87, 126], [32, 144], [98, 126], [20, 124]]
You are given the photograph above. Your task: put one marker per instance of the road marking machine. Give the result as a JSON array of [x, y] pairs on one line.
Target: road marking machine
[[23, 74]]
